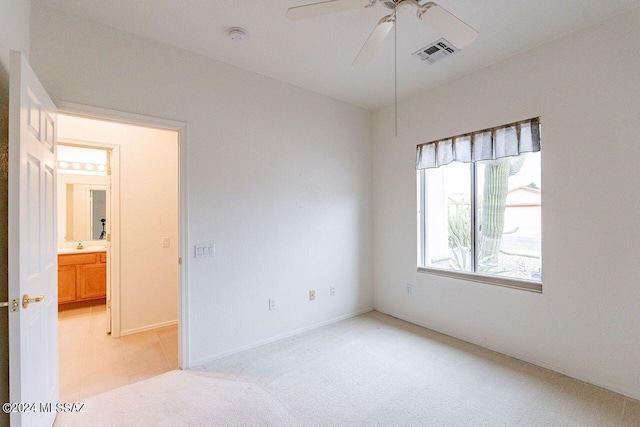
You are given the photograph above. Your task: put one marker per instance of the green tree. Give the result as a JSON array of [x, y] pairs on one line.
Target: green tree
[[534, 186]]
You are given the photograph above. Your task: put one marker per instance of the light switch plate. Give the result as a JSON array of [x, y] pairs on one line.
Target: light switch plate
[[205, 251], [166, 242]]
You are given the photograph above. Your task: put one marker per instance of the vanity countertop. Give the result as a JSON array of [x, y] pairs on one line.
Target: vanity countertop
[[87, 249]]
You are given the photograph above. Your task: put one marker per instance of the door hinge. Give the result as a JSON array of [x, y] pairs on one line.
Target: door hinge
[[108, 237], [180, 261], [109, 304], [108, 171]]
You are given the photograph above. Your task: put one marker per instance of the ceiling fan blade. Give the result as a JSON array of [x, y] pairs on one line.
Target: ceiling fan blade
[[448, 25], [373, 43], [324, 8]]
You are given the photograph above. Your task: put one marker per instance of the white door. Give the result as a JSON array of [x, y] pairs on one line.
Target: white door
[[33, 263]]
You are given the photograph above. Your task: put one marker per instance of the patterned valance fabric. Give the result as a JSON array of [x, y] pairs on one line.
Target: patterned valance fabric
[[489, 144]]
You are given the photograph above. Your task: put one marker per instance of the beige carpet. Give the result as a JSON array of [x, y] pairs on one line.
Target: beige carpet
[[369, 370]]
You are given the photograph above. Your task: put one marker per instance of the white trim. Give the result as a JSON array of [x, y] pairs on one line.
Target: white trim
[[105, 145], [507, 282], [633, 394], [184, 361], [148, 328], [183, 271], [204, 360], [81, 110], [113, 247], [115, 277]]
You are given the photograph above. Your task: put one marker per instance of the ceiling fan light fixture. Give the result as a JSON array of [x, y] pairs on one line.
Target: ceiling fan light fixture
[[406, 6], [457, 33]]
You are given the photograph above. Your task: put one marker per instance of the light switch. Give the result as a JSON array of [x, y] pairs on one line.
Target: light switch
[[205, 251], [166, 242]]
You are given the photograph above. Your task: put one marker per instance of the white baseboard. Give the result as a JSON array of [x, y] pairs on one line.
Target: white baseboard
[[204, 360], [148, 328], [580, 376]]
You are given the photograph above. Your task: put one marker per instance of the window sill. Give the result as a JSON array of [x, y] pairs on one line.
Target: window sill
[[525, 285]]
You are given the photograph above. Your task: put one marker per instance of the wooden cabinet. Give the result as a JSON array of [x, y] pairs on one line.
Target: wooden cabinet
[[82, 277], [66, 283]]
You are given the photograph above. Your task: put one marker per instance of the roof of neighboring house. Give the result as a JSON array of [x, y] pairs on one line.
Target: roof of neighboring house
[[524, 197], [525, 188]]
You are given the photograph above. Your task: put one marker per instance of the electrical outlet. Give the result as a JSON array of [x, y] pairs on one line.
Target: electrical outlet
[[272, 304], [408, 288], [312, 295], [332, 291]]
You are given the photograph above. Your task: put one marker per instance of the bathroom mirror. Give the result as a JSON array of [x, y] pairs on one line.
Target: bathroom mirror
[[85, 210], [82, 195]]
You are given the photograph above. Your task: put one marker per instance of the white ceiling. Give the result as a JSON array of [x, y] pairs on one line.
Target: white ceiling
[[316, 54]]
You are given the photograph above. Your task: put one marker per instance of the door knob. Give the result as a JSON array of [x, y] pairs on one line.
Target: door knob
[[26, 300]]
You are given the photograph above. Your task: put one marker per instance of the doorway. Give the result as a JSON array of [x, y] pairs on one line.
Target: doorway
[[128, 330]]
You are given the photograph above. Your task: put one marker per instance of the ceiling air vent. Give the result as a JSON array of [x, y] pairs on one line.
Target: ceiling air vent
[[436, 51]]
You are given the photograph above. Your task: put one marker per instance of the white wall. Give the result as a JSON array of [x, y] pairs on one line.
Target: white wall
[[14, 34], [585, 323], [279, 178], [148, 211]]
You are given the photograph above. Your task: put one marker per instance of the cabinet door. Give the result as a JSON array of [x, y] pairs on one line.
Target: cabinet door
[[92, 281], [66, 283]]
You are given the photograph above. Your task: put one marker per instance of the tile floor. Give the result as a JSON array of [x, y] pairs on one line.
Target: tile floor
[[92, 361]]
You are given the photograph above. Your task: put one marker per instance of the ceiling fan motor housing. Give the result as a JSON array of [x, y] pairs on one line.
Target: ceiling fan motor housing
[[400, 5]]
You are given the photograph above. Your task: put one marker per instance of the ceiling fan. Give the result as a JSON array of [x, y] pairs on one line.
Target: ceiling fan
[[434, 16]]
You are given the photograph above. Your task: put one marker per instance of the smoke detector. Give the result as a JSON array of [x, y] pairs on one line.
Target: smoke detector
[[237, 34]]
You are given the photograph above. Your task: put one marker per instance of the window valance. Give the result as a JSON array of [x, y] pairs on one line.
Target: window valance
[[489, 144]]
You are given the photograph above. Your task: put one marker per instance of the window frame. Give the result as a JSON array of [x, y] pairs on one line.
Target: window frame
[[509, 282]]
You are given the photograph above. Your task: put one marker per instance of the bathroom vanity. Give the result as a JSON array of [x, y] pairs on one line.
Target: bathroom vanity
[[82, 275]]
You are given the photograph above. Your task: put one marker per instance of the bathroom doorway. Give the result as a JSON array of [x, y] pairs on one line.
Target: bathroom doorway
[[122, 326], [85, 194]]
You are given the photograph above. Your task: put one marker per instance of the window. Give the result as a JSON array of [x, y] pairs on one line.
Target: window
[[479, 206]]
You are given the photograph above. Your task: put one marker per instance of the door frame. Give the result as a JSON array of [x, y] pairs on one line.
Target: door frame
[[88, 111], [113, 247]]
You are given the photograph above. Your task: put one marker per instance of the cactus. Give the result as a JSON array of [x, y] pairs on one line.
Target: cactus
[[496, 173], [496, 179], [459, 218], [459, 223]]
